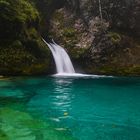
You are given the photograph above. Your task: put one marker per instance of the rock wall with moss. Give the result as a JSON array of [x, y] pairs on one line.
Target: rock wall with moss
[[22, 51], [100, 46]]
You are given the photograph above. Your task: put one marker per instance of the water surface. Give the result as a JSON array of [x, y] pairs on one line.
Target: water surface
[[84, 108]]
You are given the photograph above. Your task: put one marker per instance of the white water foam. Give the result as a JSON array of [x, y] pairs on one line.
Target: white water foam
[[78, 75]]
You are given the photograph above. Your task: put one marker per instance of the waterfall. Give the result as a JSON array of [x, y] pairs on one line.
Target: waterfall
[[63, 63], [61, 58]]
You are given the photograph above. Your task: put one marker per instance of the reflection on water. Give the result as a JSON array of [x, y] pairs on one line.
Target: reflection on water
[[62, 96]]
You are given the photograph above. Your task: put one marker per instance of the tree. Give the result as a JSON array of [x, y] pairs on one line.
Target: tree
[[100, 10]]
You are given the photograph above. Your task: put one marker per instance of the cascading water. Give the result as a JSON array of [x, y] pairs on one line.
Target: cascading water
[[63, 63], [62, 60]]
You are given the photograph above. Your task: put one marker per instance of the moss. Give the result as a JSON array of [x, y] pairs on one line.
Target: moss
[[115, 70], [115, 37], [34, 69], [77, 53], [69, 32], [24, 58]]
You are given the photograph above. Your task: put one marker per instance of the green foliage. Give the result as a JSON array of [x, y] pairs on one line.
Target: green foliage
[[16, 15], [21, 49], [70, 37], [20, 10], [24, 58]]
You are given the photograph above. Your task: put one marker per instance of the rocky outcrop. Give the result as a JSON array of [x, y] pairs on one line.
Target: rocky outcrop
[[123, 15], [113, 54], [102, 41]]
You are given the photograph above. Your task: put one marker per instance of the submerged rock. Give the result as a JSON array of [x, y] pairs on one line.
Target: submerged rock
[[16, 125]]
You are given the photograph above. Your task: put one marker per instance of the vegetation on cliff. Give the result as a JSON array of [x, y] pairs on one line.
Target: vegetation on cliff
[[21, 49]]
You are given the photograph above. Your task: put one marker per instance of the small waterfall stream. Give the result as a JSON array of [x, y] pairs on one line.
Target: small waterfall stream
[[62, 60], [63, 63]]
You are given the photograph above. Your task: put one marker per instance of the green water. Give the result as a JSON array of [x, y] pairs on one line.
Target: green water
[[54, 108]]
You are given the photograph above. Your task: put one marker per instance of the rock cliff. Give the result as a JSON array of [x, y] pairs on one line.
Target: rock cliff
[[103, 37]]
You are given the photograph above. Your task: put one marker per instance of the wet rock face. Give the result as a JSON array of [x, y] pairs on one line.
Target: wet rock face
[[100, 46]]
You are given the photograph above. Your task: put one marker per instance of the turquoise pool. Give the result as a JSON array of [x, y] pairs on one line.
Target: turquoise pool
[[63, 108]]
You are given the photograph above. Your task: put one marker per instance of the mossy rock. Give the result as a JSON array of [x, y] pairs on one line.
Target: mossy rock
[[77, 53]]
